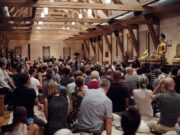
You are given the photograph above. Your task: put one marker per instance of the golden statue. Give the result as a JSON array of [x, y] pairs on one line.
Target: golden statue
[[160, 52], [176, 59], [145, 55]]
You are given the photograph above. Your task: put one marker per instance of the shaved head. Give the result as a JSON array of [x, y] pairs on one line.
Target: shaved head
[[169, 84]]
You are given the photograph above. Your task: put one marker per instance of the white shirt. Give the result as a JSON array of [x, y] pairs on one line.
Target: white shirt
[[71, 88], [3, 78], [143, 101], [34, 84], [21, 129]]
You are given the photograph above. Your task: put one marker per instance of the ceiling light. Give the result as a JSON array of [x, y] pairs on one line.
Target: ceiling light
[[107, 1], [89, 12], [63, 28], [40, 22], [42, 15], [51, 0], [45, 11], [80, 16], [38, 28], [67, 28], [73, 23]]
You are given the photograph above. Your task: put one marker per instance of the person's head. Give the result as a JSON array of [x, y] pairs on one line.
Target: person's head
[[49, 73], [114, 63], [56, 70], [66, 71], [130, 121], [109, 72], [164, 70], [22, 79], [3, 63], [19, 115], [95, 75], [88, 72], [162, 37], [79, 81], [129, 70], [105, 84], [174, 71], [77, 73], [32, 71], [116, 76], [169, 84], [139, 71], [143, 82], [52, 89], [157, 72]]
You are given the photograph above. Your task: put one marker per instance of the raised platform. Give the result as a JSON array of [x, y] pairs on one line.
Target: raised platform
[[154, 61], [176, 61]]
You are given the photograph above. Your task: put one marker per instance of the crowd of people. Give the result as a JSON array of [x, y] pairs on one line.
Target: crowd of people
[[84, 98]]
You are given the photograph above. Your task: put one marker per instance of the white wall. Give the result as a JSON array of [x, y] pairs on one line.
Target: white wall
[[56, 47], [171, 28]]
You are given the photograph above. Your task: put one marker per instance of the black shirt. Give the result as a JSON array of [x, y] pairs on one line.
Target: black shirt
[[118, 93], [57, 114], [24, 96]]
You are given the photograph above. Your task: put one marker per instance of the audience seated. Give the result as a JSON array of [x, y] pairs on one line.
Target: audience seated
[[66, 79], [131, 79], [94, 82], [34, 83], [71, 86], [69, 106], [96, 111], [77, 97], [142, 97], [19, 125], [169, 103], [56, 107], [130, 121], [26, 97], [118, 93]]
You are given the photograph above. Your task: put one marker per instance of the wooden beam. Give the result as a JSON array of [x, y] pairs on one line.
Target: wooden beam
[[152, 30], [93, 48], [79, 5], [133, 40], [87, 47], [2, 19], [82, 26], [15, 25], [53, 19], [109, 45], [120, 43], [17, 2], [100, 46]]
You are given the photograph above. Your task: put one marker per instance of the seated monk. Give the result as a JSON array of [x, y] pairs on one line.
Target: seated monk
[[161, 49]]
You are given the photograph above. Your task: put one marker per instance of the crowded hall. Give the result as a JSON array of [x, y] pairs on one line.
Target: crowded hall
[[89, 67]]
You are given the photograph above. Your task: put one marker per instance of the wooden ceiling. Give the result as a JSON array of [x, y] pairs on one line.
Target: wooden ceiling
[[69, 19]]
